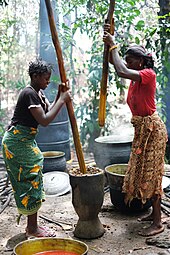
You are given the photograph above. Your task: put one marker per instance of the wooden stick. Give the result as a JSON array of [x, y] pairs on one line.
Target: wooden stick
[[73, 122], [166, 203], [63, 225], [103, 85], [3, 180], [54, 221], [6, 191], [2, 183], [6, 203], [165, 210]]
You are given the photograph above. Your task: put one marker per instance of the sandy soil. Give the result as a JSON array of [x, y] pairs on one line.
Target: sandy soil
[[120, 238]]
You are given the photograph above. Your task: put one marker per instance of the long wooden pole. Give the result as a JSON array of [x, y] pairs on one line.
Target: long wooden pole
[[103, 85], [63, 77]]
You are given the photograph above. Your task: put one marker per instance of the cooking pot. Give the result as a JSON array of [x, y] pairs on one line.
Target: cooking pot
[[115, 174]]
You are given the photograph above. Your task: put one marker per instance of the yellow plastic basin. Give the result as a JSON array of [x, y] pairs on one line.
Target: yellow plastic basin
[[33, 246]]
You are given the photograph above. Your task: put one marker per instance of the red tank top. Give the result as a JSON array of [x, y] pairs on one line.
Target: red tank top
[[141, 95]]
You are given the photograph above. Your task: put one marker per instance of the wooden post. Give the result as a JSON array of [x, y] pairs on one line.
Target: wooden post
[[63, 77], [103, 85]]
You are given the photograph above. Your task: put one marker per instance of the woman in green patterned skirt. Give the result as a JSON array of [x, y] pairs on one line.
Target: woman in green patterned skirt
[[23, 159]]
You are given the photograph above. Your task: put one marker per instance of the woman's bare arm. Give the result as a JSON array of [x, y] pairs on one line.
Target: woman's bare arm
[[45, 118], [114, 58], [121, 69], [61, 86]]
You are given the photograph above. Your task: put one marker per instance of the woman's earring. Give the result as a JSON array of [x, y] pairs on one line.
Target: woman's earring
[[140, 64]]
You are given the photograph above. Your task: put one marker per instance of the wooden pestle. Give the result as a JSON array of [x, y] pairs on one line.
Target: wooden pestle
[[103, 85], [63, 77]]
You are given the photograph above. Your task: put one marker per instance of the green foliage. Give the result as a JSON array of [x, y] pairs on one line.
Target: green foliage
[[17, 47], [17, 41], [2, 128], [89, 19], [156, 38], [89, 108], [130, 27]]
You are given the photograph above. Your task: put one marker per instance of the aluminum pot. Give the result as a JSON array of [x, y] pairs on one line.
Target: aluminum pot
[[112, 149], [54, 161]]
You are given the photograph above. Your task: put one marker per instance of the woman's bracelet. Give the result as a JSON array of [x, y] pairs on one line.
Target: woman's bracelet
[[113, 47]]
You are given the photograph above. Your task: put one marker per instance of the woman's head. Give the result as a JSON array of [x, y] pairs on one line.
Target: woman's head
[[39, 66], [39, 72], [137, 58]]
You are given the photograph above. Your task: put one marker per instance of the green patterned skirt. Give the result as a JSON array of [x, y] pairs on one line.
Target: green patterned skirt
[[24, 163]]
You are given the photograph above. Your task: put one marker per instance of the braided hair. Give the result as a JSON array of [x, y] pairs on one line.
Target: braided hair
[[140, 51], [39, 66]]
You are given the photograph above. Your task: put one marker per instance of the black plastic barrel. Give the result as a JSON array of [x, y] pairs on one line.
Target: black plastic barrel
[[55, 137]]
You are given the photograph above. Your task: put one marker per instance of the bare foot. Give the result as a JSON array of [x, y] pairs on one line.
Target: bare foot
[[151, 231], [41, 232], [150, 218], [146, 218]]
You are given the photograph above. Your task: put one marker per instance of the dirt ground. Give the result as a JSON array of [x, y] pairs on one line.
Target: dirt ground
[[120, 238]]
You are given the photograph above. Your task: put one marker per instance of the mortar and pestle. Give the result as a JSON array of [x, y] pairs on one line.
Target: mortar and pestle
[[87, 189]]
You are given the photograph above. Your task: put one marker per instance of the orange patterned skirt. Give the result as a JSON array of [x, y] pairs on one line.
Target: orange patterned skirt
[[143, 178]]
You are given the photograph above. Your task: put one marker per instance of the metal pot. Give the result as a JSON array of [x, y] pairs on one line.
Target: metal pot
[[54, 161], [113, 149], [115, 174]]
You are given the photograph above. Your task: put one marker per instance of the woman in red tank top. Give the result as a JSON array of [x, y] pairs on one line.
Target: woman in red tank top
[[143, 179]]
